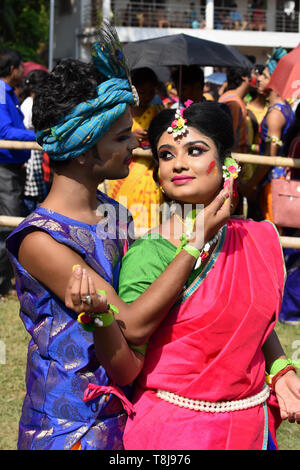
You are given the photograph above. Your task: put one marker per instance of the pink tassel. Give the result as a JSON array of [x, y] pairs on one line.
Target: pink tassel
[[94, 391]]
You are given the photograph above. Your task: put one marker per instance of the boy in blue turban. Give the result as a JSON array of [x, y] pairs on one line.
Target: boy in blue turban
[[79, 106]]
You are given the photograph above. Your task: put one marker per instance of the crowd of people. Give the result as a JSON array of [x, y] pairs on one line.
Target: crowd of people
[[134, 336], [252, 18]]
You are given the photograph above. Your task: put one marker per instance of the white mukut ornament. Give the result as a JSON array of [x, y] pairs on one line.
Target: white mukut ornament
[[178, 127]]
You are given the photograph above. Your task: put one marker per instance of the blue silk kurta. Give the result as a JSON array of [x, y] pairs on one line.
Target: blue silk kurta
[[61, 357]]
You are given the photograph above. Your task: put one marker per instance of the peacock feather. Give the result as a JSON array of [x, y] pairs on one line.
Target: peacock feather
[[108, 55]]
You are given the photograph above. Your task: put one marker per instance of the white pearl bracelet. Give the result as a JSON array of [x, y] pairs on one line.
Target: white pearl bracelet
[[215, 407]]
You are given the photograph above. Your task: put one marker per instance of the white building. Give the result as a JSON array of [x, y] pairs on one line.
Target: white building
[[272, 24]]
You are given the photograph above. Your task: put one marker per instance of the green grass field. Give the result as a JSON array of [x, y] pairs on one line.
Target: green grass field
[[13, 347]]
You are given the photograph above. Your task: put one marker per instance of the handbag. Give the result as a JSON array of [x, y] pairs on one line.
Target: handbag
[[286, 202]]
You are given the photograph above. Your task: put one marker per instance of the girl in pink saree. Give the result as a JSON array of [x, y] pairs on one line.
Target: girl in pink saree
[[203, 384]]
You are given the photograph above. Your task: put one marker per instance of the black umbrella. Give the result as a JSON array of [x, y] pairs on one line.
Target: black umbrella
[[182, 49]]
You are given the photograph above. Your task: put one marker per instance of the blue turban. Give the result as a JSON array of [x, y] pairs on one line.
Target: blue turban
[[88, 121], [275, 58]]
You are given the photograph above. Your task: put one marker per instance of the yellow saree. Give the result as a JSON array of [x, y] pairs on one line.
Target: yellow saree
[[139, 192]]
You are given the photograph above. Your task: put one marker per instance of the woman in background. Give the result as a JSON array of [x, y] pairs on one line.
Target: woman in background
[[35, 187], [290, 311], [138, 192], [273, 128]]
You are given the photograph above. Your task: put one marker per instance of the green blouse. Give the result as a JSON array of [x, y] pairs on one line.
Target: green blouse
[[143, 263]]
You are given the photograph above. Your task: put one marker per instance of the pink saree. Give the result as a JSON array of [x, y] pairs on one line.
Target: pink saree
[[209, 348]]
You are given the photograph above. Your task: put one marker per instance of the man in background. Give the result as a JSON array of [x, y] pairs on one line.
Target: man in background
[[12, 172], [189, 83]]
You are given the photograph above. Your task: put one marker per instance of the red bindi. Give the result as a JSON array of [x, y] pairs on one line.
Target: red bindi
[[210, 168]]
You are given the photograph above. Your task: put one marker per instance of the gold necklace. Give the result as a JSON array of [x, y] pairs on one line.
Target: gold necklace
[[189, 221]]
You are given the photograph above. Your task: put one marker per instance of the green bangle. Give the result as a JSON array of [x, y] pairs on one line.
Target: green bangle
[[188, 248], [280, 364], [192, 251], [104, 319]]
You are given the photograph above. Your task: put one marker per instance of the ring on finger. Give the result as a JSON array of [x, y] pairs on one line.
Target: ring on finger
[[87, 300]]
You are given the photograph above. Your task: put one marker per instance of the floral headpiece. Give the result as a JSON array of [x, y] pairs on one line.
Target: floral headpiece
[[178, 127]]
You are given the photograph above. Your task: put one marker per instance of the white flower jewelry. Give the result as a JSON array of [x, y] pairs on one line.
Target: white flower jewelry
[[178, 127], [135, 95], [230, 168]]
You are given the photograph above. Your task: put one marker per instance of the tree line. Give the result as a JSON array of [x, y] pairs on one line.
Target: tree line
[[24, 25]]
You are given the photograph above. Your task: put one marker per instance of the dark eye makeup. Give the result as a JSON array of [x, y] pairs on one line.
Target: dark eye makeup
[[193, 149], [197, 150], [165, 155]]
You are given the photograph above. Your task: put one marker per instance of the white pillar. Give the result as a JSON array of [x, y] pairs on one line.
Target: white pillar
[[270, 17], [106, 7], [51, 34], [209, 14]]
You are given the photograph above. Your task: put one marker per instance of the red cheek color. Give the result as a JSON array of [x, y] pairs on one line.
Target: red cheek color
[[210, 168]]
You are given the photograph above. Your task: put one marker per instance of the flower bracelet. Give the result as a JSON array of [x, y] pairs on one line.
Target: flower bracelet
[[274, 140], [90, 321]]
